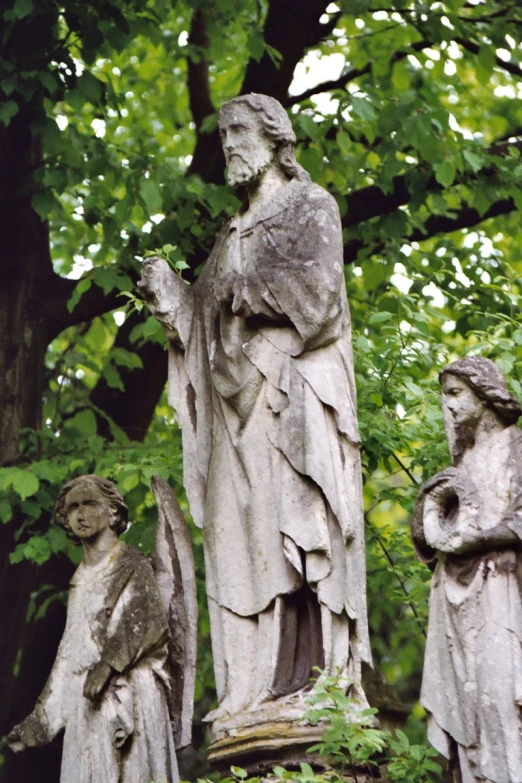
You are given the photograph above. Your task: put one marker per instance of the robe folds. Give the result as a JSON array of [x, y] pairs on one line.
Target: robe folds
[[472, 682], [263, 387], [115, 615]]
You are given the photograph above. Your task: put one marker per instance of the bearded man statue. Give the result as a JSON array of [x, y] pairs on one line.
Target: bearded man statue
[[261, 378]]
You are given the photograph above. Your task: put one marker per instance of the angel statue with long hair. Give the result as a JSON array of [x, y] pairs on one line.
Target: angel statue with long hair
[[468, 525], [122, 683]]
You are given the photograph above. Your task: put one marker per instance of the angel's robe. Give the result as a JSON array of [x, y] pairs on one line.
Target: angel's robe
[[472, 680], [263, 387], [115, 615]]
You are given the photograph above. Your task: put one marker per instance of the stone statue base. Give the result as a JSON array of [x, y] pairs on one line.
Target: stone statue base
[[263, 746], [273, 735], [259, 749]]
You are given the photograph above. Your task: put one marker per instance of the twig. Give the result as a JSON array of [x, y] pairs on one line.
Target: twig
[[405, 469], [398, 577]]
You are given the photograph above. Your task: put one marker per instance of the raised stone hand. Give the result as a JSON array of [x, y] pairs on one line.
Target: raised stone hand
[[14, 740], [97, 678], [29, 733], [162, 290]]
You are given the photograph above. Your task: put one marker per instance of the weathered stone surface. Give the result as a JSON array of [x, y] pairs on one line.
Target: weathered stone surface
[[468, 525], [261, 378], [109, 685]]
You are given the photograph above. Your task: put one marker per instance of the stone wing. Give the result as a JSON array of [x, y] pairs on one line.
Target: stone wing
[[175, 574]]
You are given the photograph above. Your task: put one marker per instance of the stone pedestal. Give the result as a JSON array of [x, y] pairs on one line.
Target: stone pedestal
[[259, 748], [274, 735]]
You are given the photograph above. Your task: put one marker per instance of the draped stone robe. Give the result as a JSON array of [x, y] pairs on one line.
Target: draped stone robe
[[263, 387], [472, 681]]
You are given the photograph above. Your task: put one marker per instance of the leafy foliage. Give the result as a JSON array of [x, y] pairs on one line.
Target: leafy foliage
[[351, 743], [416, 130]]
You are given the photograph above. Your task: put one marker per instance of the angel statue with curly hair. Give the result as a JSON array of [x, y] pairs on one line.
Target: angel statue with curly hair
[[114, 684], [468, 525]]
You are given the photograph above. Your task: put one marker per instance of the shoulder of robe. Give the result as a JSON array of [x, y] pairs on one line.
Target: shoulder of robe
[[132, 560], [207, 273], [315, 196], [130, 564]]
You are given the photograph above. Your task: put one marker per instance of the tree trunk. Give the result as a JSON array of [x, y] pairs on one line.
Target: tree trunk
[[27, 278]]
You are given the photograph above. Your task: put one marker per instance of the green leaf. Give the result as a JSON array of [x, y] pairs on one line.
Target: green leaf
[[378, 318], [82, 286], [401, 76], [22, 8], [8, 111], [91, 87], [84, 422], [256, 45], [308, 125], [344, 141], [44, 203], [37, 549], [151, 195], [475, 160], [106, 278], [6, 511], [24, 483], [210, 123], [112, 376], [445, 173], [49, 82], [8, 85], [363, 108]]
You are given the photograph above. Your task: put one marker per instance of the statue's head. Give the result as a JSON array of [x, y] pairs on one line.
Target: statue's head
[[474, 388], [255, 130], [87, 504]]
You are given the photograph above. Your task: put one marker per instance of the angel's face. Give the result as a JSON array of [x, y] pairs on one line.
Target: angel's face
[[465, 407], [88, 512]]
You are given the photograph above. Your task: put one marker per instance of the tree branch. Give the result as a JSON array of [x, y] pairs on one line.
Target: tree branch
[[371, 202], [207, 160], [352, 74], [290, 39], [132, 410], [265, 76], [93, 303], [474, 48], [467, 217], [197, 77], [399, 578]]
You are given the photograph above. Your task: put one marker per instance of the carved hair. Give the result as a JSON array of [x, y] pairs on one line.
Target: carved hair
[[109, 491], [489, 384], [276, 125]]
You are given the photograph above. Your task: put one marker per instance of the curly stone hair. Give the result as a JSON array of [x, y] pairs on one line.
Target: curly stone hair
[[276, 125], [111, 494]]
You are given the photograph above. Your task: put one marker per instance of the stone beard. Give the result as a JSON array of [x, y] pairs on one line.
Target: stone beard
[[468, 524], [261, 378]]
